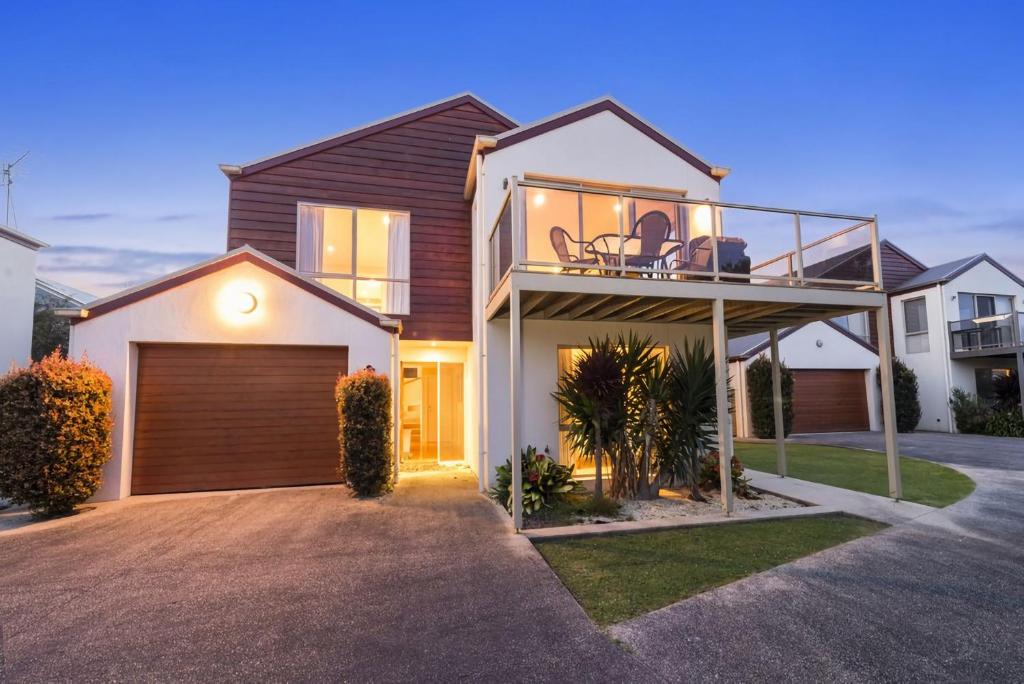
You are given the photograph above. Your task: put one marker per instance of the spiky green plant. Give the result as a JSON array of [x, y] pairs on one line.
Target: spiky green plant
[[591, 394], [690, 416], [637, 358]]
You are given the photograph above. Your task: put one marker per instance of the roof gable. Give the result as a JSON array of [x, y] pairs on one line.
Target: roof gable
[[606, 104], [359, 132], [943, 273], [241, 255], [743, 348]]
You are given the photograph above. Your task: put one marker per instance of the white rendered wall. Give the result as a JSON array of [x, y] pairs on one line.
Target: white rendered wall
[[285, 314], [601, 148], [17, 303], [540, 344], [932, 366], [800, 350]]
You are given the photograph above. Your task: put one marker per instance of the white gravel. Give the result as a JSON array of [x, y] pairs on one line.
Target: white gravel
[[673, 503]]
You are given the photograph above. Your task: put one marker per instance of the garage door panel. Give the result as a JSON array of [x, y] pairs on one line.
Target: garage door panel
[[233, 416], [829, 400]]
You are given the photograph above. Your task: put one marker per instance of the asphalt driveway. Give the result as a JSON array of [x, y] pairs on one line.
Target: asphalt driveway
[[310, 584], [938, 600], [429, 584]]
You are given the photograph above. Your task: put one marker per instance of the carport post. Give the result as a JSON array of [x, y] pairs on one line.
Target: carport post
[[780, 426], [719, 334], [888, 401], [515, 324]]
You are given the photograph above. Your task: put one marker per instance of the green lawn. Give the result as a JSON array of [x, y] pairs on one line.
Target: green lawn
[[924, 482], [617, 577]]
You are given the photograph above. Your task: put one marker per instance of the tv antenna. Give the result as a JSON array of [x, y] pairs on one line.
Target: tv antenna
[[7, 179]]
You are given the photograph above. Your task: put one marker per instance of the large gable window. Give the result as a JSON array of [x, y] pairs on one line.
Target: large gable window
[[362, 253]]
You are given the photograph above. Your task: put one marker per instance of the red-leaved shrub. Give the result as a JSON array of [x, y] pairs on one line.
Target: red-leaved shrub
[[364, 431], [55, 424]]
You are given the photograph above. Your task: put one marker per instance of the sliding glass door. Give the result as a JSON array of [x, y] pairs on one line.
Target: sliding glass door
[[432, 412]]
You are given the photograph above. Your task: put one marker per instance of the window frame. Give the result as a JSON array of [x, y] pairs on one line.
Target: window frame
[[354, 276], [906, 328]]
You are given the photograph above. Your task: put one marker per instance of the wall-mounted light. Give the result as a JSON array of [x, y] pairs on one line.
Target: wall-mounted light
[[702, 220], [819, 344], [245, 302], [617, 207], [238, 302], [387, 219], [538, 199]]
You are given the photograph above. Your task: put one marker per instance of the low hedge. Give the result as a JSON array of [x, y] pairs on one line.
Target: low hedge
[[55, 425], [762, 403], [364, 431]]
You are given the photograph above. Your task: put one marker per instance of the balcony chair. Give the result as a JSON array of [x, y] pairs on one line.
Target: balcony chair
[[560, 240], [654, 230]]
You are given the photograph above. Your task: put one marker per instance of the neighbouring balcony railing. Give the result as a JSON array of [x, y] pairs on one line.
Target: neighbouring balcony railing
[[580, 229], [987, 333]]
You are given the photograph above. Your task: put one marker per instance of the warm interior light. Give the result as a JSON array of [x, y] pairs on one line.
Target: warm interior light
[[538, 199], [330, 249], [387, 219], [245, 302], [702, 220], [617, 207]]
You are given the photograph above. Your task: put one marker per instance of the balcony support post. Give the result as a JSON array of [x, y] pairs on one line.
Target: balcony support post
[[725, 446], [515, 323], [876, 255], [516, 206], [799, 253], [780, 431], [714, 241], [892, 457]]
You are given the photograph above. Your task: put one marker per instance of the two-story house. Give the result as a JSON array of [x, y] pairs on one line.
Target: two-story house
[[468, 257], [959, 325]]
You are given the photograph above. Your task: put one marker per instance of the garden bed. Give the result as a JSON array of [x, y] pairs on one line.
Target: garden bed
[[581, 509]]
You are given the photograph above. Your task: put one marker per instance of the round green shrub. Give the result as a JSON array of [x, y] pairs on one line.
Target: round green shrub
[[364, 431], [1009, 423], [55, 424], [762, 405], [908, 406]]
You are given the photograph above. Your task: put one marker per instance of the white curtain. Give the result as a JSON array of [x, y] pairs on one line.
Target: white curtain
[[309, 254], [397, 297]]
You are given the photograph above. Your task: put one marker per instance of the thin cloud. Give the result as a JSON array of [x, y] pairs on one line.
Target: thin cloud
[[99, 216], [171, 218], [106, 269]]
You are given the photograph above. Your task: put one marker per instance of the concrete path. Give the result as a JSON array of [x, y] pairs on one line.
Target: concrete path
[[427, 584], [870, 506], [934, 601]]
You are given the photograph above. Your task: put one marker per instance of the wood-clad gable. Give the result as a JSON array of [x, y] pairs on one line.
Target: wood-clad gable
[[415, 163]]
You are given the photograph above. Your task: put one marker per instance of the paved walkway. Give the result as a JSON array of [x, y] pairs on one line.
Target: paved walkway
[[427, 584], [919, 602], [871, 506]]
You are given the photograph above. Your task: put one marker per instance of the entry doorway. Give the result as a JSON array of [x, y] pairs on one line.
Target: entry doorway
[[432, 413]]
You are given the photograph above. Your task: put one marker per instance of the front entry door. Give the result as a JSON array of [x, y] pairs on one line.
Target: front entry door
[[432, 412]]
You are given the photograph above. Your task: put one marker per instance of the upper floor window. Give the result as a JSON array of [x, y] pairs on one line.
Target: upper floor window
[[915, 322], [362, 253]]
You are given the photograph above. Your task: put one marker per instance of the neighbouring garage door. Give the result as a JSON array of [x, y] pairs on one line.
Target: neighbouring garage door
[[235, 416], [829, 401]]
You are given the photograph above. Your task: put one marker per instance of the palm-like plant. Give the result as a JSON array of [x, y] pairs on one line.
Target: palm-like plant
[[637, 361], [591, 395], [690, 415]]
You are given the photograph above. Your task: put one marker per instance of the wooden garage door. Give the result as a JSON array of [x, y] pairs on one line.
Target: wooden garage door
[[231, 417], [829, 401]]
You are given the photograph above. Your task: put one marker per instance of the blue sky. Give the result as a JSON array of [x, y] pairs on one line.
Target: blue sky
[[909, 110]]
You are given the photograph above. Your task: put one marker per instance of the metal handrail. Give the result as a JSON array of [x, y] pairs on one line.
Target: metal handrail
[[795, 256], [968, 327]]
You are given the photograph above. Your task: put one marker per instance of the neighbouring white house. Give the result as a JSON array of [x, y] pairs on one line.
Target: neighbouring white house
[[835, 383], [17, 295], [470, 258], [959, 324]]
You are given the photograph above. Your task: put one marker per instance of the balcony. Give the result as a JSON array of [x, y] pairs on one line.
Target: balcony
[[986, 335], [585, 230], [612, 253]]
